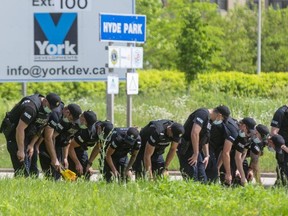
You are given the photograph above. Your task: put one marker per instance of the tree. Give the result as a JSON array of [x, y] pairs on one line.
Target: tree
[[195, 47], [275, 40]]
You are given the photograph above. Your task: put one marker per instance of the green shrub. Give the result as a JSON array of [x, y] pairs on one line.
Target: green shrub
[[155, 82]]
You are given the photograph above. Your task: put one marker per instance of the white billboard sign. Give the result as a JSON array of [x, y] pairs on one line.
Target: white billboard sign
[[55, 40]]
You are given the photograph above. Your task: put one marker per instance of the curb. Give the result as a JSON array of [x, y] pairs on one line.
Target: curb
[[172, 173]]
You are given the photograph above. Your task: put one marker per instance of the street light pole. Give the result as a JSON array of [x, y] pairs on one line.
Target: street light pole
[[259, 38]]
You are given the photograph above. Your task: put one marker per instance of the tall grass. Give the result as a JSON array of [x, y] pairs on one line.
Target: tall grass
[[42, 197], [175, 107]]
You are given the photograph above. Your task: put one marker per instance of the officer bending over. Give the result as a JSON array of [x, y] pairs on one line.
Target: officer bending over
[[155, 137], [121, 142], [57, 134], [22, 127], [193, 152], [78, 156]]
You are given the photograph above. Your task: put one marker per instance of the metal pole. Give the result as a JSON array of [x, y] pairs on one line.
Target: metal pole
[[109, 99], [259, 38], [109, 105], [129, 110], [129, 97], [24, 89]]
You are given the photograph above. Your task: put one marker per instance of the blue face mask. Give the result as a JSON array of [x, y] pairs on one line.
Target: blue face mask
[[256, 140], [65, 119], [83, 126], [47, 109], [217, 122], [242, 134]]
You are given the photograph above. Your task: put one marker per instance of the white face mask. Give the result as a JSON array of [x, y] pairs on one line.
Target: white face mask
[[242, 134], [217, 122], [65, 119], [47, 109], [256, 140], [271, 149]]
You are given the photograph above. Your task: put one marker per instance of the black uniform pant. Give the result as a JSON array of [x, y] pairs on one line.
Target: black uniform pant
[[211, 169], [157, 163], [45, 162], [195, 172], [120, 164], [26, 168], [82, 156]]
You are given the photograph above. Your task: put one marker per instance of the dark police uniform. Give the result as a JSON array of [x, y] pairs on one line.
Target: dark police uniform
[[155, 134], [44, 157], [66, 131], [117, 141], [227, 130], [85, 138], [30, 111], [240, 144], [280, 120], [185, 151]]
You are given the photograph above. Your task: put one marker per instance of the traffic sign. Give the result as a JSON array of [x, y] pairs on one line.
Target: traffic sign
[[132, 85], [113, 85], [122, 28]]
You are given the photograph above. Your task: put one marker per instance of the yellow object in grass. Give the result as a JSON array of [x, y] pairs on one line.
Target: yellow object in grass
[[68, 175]]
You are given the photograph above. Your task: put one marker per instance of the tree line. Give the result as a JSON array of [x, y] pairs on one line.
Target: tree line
[[195, 37]]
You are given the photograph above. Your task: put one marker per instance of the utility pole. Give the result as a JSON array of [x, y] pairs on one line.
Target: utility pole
[[259, 38]]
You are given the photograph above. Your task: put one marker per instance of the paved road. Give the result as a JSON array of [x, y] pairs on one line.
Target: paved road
[[268, 179]]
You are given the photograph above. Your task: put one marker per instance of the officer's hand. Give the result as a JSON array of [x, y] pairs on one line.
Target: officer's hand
[[192, 161], [55, 164], [20, 155], [65, 163], [128, 173], [165, 173], [228, 179], [250, 175], [30, 151], [79, 168], [116, 174], [89, 170], [206, 161], [237, 174]]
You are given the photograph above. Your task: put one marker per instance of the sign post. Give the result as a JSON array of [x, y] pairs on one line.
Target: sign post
[[131, 29]]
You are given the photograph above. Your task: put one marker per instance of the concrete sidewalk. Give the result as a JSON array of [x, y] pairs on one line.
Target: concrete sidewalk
[[268, 179]]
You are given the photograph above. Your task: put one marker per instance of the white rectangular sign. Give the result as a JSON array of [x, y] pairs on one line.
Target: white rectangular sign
[[113, 85], [132, 83], [125, 57], [49, 40]]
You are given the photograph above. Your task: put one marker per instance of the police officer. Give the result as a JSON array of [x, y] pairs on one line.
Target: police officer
[[240, 147], [57, 135], [155, 137], [279, 125], [84, 138], [258, 142], [103, 130], [222, 136], [277, 143], [22, 126], [193, 152], [119, 144]]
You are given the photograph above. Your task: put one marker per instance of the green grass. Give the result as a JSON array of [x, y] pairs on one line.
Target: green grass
[[176, 107], [42, 197]]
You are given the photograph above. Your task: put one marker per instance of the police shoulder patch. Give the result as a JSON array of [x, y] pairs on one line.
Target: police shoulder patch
[[200, 120]]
